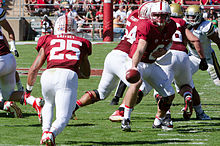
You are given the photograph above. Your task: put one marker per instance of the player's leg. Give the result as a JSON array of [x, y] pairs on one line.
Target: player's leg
[[119, 93], [7, 84], [214, 69], [194, 64], [200, 114], [18, 82], [113, 64], [130, 100], [160, 82]]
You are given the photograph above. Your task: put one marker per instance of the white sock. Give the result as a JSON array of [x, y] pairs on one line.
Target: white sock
[[30, 100], [168, 112], [198, 109], [122, 105], [127, 112], [157, 121]]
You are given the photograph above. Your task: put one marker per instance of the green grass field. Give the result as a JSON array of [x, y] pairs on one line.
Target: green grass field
[[93, 126]]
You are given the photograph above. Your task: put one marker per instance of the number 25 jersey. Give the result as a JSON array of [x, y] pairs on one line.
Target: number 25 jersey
[[64, 51]]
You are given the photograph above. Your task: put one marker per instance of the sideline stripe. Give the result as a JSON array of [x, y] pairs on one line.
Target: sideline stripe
[[24, 71]]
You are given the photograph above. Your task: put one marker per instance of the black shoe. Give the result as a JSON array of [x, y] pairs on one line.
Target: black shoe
[[114, 101], [125, 125]]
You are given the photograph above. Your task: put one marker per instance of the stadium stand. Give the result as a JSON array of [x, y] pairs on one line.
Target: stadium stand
[[32, 11]]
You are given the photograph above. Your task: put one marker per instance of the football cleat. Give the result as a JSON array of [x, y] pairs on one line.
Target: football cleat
[[166, 123], [202, 116], [117, 116], [11, 107], [125, 125], [48, 139], [38, 105], [188, 109], [114, 101]]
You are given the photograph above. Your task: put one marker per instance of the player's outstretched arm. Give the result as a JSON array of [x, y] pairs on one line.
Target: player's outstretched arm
[[195, 41]]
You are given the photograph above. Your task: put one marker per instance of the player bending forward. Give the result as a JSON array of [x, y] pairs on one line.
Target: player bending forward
[[67, 59]]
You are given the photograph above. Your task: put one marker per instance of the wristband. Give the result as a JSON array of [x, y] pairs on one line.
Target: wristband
[[12, 43], [29, 88]]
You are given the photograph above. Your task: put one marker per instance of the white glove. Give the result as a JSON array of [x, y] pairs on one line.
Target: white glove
[[13, 48]]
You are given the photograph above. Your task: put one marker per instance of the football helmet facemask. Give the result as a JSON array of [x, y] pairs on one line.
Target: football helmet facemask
[[144, 10], [176, 10], [193, 15], [65, 25], [160, 13]]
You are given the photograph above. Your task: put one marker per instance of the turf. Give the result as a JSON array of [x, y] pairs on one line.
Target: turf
[[93, 126]]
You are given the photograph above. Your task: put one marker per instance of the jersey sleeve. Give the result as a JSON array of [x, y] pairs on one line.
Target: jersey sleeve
[[143, 29], [208, 29], [2, 14], [41, 43], [88, 47]]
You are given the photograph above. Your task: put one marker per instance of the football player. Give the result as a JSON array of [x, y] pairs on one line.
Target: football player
[[67, 59], [178, 66], [114, 65], [154, 38], [8, 69], [8, 82], [204, 30]]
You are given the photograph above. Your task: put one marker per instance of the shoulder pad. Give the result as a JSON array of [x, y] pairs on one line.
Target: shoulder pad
[[2, 14], [208, 28]]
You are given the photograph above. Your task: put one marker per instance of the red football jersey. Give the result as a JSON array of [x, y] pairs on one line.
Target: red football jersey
[[146, 30], [64, 51], [179, 37], [130, 33]]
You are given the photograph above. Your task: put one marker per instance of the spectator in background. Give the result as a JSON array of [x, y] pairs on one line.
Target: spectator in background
[[204, 2], [118, 26], [99, 14], [96, 27], [79, 21], [59, 12], [46, 26], [181, 2], [122, 14], [215, 2], [90, 16], [213, 17], [204, 13], [212, 13]]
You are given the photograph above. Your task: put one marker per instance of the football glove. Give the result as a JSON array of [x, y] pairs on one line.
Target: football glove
[[203, 64], [13, 48]]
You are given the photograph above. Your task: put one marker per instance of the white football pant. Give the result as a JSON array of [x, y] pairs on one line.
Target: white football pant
[[59, 88], [7, 75], [176, 65], [115, 66]]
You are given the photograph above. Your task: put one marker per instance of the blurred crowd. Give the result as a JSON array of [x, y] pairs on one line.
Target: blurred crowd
[[88, 14]]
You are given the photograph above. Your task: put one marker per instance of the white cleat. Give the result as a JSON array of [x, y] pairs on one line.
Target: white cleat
[[48, 139], [11, 107]]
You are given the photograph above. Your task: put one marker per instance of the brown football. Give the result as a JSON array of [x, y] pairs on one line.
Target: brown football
[[133, 76]]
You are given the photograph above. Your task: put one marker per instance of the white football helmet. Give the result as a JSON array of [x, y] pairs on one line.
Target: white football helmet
[[144, 10], [160, 13], [193, 15], [65, 25]]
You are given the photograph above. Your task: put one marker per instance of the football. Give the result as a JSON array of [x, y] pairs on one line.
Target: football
[[133, 76]]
